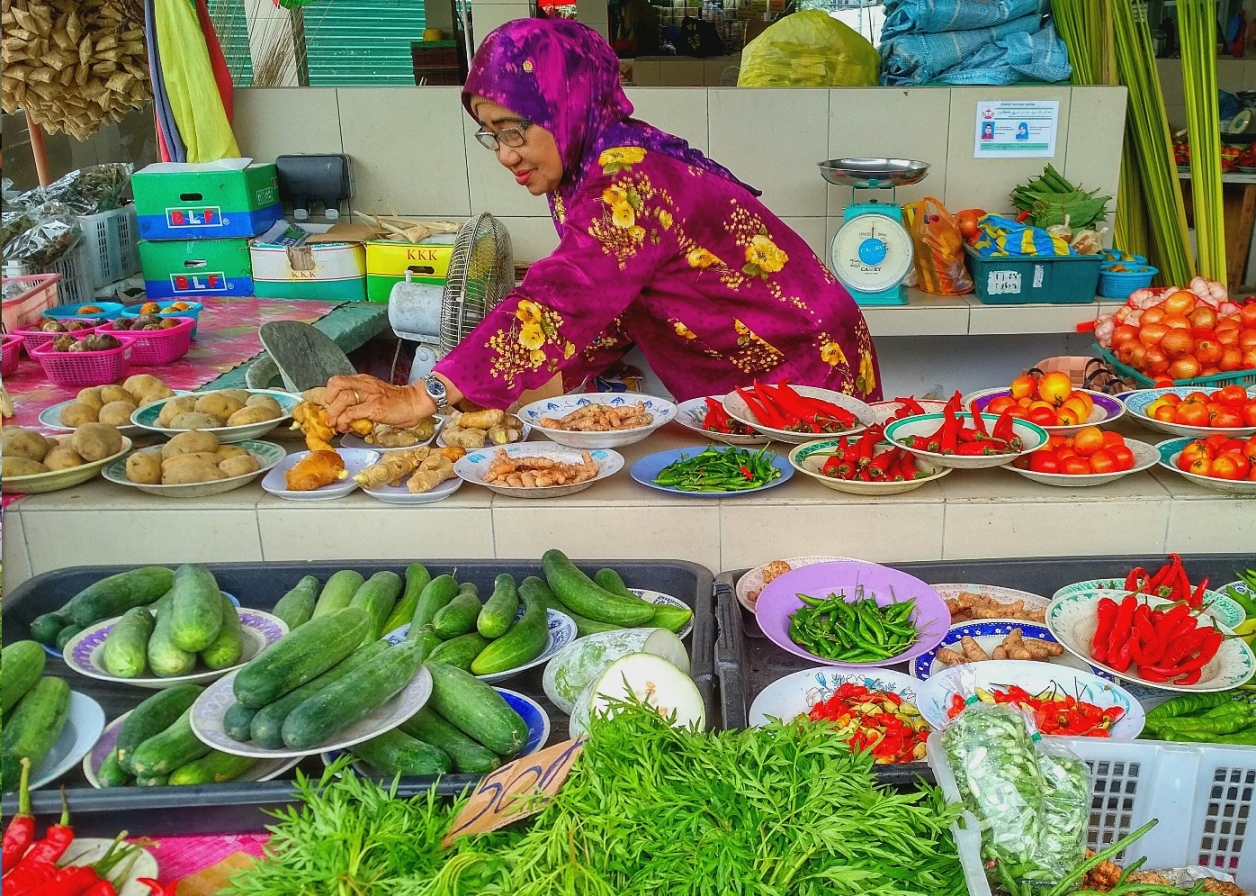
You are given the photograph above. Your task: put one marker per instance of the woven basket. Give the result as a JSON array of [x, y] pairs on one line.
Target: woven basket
[[32, 337], [152, 348], [1086, 372], [84, 368], [41, 294], [10, 352]]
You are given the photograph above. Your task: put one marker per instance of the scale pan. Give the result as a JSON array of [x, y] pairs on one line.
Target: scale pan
[[873, 173]]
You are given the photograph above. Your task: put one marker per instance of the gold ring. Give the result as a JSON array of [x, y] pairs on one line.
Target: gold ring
[[357, 399]]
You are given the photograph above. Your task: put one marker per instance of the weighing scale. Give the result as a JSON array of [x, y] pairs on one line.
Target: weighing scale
[[872, 252]]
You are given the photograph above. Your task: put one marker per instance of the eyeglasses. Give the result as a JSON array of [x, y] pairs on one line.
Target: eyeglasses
[[512, 137]]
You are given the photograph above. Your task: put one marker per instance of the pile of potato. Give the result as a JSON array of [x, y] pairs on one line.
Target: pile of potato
[[114, 404], [189, 457], [27, 453], [214, 410]]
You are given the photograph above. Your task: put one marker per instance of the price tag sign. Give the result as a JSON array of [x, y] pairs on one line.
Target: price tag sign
[[516, 790]]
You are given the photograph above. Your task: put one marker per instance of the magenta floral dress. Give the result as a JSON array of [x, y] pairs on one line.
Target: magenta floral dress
[[659, 247]]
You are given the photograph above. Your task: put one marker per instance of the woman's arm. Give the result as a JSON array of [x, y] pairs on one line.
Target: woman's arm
[[364, 397]]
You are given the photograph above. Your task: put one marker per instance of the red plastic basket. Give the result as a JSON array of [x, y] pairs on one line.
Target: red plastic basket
[[32, 337], [10, 352], [41, 294], [84, 368], [152, 348]]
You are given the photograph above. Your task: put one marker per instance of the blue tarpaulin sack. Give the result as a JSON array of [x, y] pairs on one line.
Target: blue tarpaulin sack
[[1002, 237], [937, 16], [1040, 56]]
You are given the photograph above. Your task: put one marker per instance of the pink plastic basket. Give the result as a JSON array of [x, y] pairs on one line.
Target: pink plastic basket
[[42, 293], [152, 348], [32, 338], [10, 352], [84, 368]]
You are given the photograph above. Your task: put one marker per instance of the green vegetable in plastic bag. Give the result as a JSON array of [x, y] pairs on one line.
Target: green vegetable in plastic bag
[[809, 49]]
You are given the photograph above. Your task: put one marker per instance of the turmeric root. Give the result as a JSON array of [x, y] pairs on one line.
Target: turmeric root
[[395, 466], [311, 420], [973, 650], [948, 657], [315, 470], [484, 420], [431, 473]]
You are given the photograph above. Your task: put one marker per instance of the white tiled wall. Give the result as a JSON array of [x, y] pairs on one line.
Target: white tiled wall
[[413, 153]]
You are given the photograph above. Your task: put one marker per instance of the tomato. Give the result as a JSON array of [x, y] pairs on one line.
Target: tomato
[[1068, 416], [1191, 413], [1249, 450], [1018, 412], [1102, 461], [1234, 396], [1088, 440], [1000, 404], [1055, 440], [1200, 466], [1214, 443], [1055, 387], [1231, 445], [1227, 418], [1043, 416], [1075, 466], [1077, 403], [1044, 461], [1166, 413], [1112, 439], [1201, 397], [1024, 386], [967, 221], [1065, 453], [1123, 456], [1240, 460], [1225, 467], [1249, 415]]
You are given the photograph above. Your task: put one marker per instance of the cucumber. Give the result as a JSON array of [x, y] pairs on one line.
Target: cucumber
[[195, 608], [45, 628], [338, 591], [574, 668], [214, 768], [152, 717], [114, 595], [164, 658], [397, 753], [226, 649], [125, 653], [460, 651], [151, 780], [377, 596], [299, 656], [500, 609], [458, 616], [586, 597], [64, 636], [671, 618], [584, 626], [266, 729], [476, 710], [645, 677], [469, 588], [523, 643], [469, 756], [436, 594], [612, 582], [110, 773], [33, 728], [297, 606], [352, 698], [164, 752], [21, 664], [417, 578], [237, 721]]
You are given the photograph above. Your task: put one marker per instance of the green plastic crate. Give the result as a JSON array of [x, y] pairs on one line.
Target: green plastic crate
[[1233, 378], [1051, 280]]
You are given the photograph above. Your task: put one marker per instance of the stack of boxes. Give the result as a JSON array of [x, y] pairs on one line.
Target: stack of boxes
[[195, 222]]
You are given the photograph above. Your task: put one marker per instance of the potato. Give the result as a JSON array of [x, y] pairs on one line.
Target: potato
[[240, 395], [62, 457], [228, 451], [20, 466], [96, 441], [143, 385], [195, 420], [254, 414], [144, 467], [110, 394], [194, 471], [216, 404], [154, 397], [117, 413], [264, 401], [76, 413], [24, 443], [174, 407], [198, 456], [239, 466], [90, 397], [190, 443]]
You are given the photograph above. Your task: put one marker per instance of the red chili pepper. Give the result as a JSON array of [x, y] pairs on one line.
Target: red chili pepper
[[101, 888], [976, 449], [21, 830], [775, 418], [1023, 217], [978, 422], [28, 878], [1005, 427], [1150, 646], [753, 403], [1136, 579], [1120, 633], [910, 407], [57, 838], [155, 887], [1152, 585], [75, 881], [955, 403], [881, 465], [1184, 646], [949, 441], [1189, 678], [1120, 661], [1106, 617], [907, 466], [1197, 599]]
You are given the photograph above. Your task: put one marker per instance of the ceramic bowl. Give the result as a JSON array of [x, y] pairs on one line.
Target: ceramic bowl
[[989, 634], [691, 413], [55, 480], [1145, 457], [267, 455], [1106, 409], [787, 698], [146, 418], [1137, 402], [1032, 438], [356, 460], [1216, 604], [1171, 450], [809, 460], [865, 416], [473, 467], [660, 409], [561, 631]]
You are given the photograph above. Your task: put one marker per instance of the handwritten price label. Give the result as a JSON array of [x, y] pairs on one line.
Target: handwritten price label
[[516, 790]]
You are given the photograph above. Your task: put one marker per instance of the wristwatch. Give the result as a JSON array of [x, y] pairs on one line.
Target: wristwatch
[[436, 391]]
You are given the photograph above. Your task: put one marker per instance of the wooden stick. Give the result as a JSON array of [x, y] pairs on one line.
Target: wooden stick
[[38, 151]]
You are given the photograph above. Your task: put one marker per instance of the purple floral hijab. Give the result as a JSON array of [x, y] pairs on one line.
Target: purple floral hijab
[[565, 77]]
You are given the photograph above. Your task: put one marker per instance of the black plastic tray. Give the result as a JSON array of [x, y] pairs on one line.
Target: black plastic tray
[[746, 662], [219, 808]]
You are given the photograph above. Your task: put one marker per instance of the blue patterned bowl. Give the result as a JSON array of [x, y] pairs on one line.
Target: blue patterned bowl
[[660, 409]]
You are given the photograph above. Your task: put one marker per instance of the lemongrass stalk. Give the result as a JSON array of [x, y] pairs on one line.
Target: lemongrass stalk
[[1199, 74]]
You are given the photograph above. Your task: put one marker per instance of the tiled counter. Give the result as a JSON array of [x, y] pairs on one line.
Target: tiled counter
[[983, 514]]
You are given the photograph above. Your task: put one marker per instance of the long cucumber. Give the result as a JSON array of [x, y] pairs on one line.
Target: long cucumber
[[417, 578], [583, 595], [297, 606], [300, 656]]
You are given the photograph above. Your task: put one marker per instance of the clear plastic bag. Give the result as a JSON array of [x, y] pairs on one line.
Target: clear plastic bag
[[87, 191], [939, 249], [44, 244], [809, 49]]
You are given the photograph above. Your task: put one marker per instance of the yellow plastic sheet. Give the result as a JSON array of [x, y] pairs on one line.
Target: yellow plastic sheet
[[190, 85], [809, 49]]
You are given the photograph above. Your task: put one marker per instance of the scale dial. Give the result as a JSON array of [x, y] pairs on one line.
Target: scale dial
[[871, 253]]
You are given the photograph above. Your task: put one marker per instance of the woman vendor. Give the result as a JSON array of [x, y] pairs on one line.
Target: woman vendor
[[659, 247]]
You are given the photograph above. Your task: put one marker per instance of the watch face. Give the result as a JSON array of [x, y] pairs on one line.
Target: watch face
[[436, 389]]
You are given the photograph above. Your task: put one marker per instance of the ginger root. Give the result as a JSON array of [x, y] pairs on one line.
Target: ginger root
[[395, 466], [431, 473], [485, 419], [311, 420], [315, 470]]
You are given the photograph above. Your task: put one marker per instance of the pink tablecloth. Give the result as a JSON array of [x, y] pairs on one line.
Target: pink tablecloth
[[180, 857]]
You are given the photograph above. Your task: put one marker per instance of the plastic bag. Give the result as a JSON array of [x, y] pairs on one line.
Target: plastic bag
[[87, 191], [939, 249], [1003, 237], [809, 49], [45, 243]]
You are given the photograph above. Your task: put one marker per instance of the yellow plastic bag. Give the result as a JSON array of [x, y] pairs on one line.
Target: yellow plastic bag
[[809, 49], [939, 248]]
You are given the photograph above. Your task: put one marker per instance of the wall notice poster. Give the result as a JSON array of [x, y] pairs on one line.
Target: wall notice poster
[[1011, 129]]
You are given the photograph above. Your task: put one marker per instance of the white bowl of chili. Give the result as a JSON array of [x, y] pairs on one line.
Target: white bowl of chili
[[739, 409], [813, 458], [694, 415], [904, 432]]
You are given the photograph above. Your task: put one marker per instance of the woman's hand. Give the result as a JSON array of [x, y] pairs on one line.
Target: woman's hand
[[364, 397]]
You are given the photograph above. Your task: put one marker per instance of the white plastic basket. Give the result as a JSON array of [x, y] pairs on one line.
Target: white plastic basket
[[75, 287], [111, 241], [1202, 794]]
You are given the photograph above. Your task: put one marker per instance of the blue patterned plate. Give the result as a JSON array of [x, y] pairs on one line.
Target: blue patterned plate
[[647, 469], [562, 631], [660, 410], [475, 465], [794, 695], [989, 633], [1227, 611]]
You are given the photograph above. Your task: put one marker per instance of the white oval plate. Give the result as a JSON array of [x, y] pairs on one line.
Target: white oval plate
[[1171, 450], [885, 410], [50, 418], [82, 729], [1136, 404], [996, 593], [400, 494], [475, 464], [810, 457], [1106, 409], [85, 651], [261, 770], [146, 418], [1031, 435], [86, 850], [865, 416], [794, 695], [556, 408], [561, 632], [355, 441], [1227, 611], [1145, 457], [267, 454], [935, 694], [691, 413], [752, 582], [356, 460], [989, 634], [211, 706], [1072, 619], [55, 480]]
